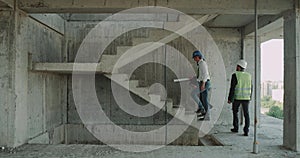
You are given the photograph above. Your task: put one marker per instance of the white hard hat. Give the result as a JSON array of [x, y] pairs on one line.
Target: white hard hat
[[242, 63]]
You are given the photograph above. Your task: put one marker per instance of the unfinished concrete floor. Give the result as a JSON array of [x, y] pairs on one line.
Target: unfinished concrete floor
[[235, 146]]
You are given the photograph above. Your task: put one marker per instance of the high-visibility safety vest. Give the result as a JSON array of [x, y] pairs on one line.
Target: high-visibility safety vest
[[243, 88]]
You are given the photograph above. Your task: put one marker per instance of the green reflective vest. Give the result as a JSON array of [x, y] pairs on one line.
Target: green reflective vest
[[243, 88]]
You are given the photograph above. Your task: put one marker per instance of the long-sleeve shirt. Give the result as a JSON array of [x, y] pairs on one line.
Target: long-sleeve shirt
[[203, 71], [233, 84]]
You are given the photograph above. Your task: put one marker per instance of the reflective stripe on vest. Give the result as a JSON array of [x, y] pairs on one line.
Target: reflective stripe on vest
[[243, 88]]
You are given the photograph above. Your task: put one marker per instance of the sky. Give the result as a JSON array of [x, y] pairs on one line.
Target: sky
[[272, 60]]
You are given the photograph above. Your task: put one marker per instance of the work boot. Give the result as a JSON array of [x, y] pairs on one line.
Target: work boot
[[234, 130], [201, 114], [201, 118]]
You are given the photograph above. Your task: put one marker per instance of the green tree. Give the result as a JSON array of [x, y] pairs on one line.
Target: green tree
[[267, 102], [276, 111]]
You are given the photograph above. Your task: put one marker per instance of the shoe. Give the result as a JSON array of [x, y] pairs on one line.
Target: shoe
[[204, 119], [198, 111], [234, 130], [245, 134], [201, 114], [201, 117]]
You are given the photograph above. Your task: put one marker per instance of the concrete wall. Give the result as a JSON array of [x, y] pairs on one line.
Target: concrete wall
[[47, 93], [229, 44], [32, 103]]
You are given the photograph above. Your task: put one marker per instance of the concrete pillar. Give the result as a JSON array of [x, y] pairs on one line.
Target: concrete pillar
[[291, 131], [14, 76], [5, 76]]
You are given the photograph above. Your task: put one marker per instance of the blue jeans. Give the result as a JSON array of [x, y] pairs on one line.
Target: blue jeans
[[202, 99]]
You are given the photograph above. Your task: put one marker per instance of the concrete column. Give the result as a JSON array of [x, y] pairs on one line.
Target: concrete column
[[291, 131], [20, 82], [6, 96], [14, 76]]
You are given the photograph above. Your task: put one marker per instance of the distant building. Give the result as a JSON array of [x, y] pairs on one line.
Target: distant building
[[270, 87], [266, 88]]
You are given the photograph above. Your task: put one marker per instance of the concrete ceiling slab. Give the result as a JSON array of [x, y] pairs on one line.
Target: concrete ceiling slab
[[188, 6]]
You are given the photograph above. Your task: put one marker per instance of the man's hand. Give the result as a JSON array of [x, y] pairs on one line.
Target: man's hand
[[202, 87], [229, 102]]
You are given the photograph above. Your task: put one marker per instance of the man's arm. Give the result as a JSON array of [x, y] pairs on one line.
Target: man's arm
[[233, 83]]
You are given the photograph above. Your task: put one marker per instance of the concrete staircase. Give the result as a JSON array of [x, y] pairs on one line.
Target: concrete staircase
[[178, 112]]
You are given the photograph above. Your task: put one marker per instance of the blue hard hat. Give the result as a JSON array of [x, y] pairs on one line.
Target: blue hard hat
[[197, 53]]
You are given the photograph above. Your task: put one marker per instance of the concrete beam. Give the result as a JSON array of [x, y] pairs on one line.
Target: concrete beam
[[125, 17], [275, 34], [266, 24], [189, 7]]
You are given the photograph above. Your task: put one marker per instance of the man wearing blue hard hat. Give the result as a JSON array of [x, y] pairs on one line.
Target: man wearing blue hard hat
[[200, 94]]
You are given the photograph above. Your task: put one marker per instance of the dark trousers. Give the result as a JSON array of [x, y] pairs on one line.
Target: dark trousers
[[235, 109]]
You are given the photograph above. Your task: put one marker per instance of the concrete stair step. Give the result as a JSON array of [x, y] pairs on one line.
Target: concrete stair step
[[119, 78], [155, 99], [142, 90], [169, 105], [80, 134], [122, 49], [184, 117], [180, 111], [133, 84], [117, 26], [209, 140], [108, 62]]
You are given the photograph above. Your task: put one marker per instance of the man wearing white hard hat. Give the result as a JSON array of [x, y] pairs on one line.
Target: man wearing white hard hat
[[240, 94]]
